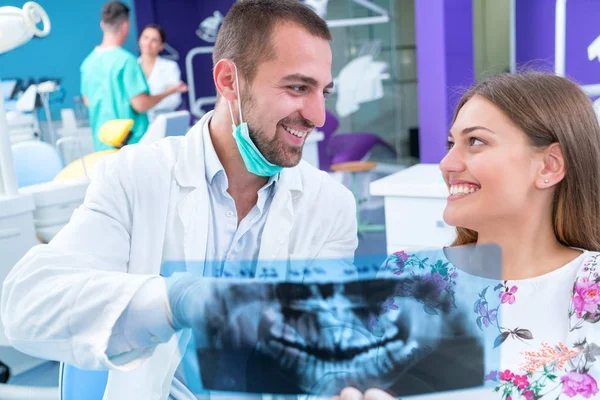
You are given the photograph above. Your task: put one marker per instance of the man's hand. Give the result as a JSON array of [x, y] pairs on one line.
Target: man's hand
[[222, 312], [371, 394]]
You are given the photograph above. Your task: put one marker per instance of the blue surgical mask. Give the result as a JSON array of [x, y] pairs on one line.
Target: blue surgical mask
[[254, 161]]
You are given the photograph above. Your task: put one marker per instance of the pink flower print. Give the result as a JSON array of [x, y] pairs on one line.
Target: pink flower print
[[508, 296], [575, 383], [402, 256], [506, 376], [586, 297], [520, 381], [528, 394]]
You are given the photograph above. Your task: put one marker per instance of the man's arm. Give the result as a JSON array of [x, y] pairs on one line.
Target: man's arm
[[85, 101], [62, 301]]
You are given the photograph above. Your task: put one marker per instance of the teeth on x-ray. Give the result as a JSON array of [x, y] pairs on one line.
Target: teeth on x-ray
[[402, 331]]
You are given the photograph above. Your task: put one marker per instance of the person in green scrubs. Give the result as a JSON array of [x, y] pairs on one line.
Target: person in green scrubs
[[113, 84]]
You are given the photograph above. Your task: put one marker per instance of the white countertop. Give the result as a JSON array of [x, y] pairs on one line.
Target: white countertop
[[421, 180]]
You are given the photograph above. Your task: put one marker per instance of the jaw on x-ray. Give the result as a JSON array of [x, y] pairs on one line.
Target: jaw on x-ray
[[400, 334]]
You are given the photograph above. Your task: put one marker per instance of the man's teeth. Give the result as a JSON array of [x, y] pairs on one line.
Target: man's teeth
[[457, 190], [294, 132]]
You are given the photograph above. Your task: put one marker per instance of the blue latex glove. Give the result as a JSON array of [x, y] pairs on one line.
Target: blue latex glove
[[219, 310], [187, 298]]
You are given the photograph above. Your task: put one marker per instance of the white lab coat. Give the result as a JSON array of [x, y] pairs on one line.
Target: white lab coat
[[146, 204], [165, 73]]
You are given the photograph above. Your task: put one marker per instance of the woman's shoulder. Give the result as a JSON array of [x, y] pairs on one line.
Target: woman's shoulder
[[587, 265]]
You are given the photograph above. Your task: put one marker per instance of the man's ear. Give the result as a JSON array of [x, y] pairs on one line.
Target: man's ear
[[125, 28], [554, 169], [224, 76]]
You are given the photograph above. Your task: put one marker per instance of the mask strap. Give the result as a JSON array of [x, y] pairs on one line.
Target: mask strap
[[237, 85], [231, 113]]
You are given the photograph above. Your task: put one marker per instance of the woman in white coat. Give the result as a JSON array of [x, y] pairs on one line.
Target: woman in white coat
[[160, 73]]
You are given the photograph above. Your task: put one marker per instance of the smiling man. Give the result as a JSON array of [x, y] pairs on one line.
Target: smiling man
[[230, 199]]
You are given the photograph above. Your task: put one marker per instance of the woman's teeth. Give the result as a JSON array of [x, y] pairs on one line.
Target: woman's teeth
[[294, 132], [457, 190]]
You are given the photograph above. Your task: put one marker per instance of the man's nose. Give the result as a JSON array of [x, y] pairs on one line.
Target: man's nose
[[313, 109]]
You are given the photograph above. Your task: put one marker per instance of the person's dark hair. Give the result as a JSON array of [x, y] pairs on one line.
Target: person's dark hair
[[114, 13], [550, 109], [245, 37], [159, 29]]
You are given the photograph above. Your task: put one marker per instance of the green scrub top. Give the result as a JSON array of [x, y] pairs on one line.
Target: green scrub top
[[110, 78]]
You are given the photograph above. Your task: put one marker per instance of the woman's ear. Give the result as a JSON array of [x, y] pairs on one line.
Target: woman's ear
[[554, 169], [224, 77]]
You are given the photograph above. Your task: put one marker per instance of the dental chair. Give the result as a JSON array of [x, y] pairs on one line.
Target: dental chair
[[35, 162], [338, 148], [36, 165], [117, 132], [80, 384]]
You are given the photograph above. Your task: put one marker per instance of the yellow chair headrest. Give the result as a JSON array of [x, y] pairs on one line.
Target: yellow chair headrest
[[115, 132]]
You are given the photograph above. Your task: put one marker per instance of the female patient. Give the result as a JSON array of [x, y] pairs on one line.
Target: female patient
[[523, 172]]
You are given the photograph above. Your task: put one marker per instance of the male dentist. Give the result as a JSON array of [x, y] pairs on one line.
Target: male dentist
[[233, 189]]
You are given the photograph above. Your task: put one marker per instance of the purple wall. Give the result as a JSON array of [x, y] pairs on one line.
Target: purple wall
[[535, 34], [444, 39], [535, 21]]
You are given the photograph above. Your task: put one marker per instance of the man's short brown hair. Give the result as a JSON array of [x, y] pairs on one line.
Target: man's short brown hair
[[245, 36], [114, 13]]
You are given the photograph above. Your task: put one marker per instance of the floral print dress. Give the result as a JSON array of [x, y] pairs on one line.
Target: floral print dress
[[544, 331]]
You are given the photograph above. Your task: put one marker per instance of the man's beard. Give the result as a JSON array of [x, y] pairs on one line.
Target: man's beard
[[274, 150]]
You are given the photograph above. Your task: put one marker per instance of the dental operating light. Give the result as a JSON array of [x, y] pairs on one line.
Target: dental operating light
[[17, 27]]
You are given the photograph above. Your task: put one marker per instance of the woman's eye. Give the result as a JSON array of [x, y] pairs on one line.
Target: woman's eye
[[449, 144], [475, 141]]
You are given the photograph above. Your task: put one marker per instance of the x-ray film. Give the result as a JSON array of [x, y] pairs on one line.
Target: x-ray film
[[408, 329]]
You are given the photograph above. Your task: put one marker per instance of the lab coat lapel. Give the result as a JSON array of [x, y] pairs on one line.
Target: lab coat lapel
[[193, 212], [193, 207]]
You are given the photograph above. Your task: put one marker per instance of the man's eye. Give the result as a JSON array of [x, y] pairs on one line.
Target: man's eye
[[327, 93], [298, 88]]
